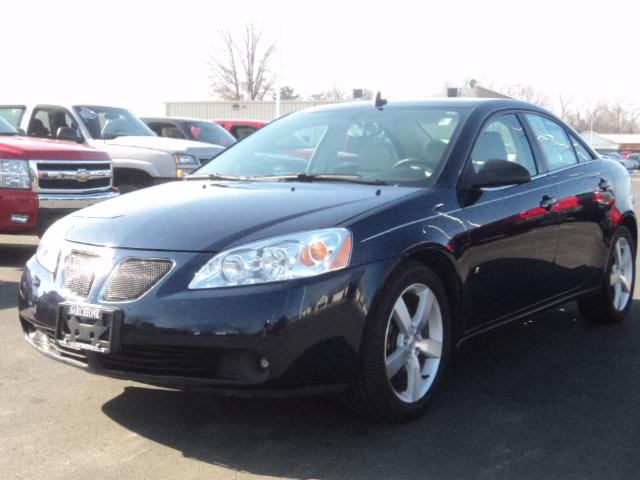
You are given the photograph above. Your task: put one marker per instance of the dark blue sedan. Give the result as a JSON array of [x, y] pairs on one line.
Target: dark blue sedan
[[358, 256]]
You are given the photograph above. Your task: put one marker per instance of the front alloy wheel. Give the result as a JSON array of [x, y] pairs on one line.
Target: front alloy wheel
[[405, 346], [413, 342]]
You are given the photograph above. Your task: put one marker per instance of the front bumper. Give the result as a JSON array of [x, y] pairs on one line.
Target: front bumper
[[274, 336], [53, 202], [41, 210]]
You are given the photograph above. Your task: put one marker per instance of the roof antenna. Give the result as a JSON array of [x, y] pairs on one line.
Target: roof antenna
[[379, 102]]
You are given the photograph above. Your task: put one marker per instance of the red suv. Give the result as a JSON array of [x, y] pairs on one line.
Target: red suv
[[43, 180]]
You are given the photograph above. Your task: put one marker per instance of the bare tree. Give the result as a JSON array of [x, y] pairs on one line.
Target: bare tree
[[240, 69], [565, 102], [527, 93], [288, 93], [607, 116], [334, 94]]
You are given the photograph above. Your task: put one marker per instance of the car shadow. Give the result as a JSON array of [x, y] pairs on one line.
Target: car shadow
[[552, 397], [12, 259], [15, 255]]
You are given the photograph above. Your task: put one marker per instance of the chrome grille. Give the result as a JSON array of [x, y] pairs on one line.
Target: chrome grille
[[79, 272], [71, 175], [135, 276]]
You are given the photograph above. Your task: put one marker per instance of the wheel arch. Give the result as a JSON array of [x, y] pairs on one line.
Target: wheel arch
[[130, 175], [629, 221], [442, 262]]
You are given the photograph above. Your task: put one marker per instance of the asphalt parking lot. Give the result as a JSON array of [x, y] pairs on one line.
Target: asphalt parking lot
[[552, 397]]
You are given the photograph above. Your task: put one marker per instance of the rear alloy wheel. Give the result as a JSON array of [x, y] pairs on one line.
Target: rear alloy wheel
[[405, 346], [613, 301]]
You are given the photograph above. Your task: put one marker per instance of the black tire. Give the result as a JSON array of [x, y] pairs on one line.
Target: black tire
[[599, 308], [371, 392]]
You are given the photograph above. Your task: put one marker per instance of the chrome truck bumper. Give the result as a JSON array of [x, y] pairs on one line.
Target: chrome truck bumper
[[50, 201]]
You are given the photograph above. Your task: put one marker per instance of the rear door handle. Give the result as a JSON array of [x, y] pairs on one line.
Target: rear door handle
[[548, 202]]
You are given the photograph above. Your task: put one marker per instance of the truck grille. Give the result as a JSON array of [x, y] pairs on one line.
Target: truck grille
[[72, 175], [135, 276], [79, 272]]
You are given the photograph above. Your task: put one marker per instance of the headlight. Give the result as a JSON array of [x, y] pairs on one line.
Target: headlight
[[47, 255], [287, 257], [48, 252], [185, 162], [14, 174]]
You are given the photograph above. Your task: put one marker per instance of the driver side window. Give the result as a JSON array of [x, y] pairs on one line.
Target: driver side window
[[503, 138]]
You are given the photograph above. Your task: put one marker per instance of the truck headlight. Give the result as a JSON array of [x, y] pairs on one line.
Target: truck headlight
[[285, 257], [185, 164], [14, 174]]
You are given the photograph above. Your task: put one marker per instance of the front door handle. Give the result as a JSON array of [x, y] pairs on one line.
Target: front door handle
[[548, 202]]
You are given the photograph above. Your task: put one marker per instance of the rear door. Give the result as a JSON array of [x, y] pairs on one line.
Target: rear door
[[584, 199], [512, 230]]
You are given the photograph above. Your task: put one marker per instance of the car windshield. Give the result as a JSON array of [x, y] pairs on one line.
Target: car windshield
[[107, 123], [6, 129], [210, 132], [399, 145]]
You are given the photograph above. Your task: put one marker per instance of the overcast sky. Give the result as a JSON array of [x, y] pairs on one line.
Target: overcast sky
[[140, 54]]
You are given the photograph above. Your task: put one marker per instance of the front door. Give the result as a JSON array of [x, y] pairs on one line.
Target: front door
[[509, 262]]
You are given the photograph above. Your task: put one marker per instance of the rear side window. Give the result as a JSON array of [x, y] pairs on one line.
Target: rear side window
[[503, 138], [46, 122], [583, 153], [553, 141]]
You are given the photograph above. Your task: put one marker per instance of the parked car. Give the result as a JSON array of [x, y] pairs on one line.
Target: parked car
[[411, 228], [627, 163], [41, 181], [634, 156], [190, 129], [241, 128], [140, 157]]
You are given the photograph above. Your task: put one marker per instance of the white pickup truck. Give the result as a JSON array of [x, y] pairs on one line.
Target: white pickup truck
[[140, 158]]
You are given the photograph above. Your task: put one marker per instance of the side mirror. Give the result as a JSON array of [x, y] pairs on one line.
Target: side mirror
[[68, 133], [21, 131], [499, 173]]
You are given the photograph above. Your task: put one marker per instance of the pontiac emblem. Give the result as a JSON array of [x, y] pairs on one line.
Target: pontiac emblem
[[83, 175]]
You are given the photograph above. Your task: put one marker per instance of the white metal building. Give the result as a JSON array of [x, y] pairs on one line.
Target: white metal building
[[243, 110]]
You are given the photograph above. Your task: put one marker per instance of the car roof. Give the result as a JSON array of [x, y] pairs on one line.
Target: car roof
[[471, 103]]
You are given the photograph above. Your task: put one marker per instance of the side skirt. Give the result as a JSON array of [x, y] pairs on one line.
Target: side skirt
[[522, 314]]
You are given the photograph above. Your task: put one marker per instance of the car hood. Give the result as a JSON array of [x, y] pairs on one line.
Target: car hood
[[207, 216], [172, 145]]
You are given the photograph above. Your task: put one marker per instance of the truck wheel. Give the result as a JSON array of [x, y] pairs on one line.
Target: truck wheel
[[405, 348], [613, 301]]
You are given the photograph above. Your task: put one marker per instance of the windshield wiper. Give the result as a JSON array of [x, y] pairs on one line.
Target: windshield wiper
[[214, 176], [9, 134], [326, 177]]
